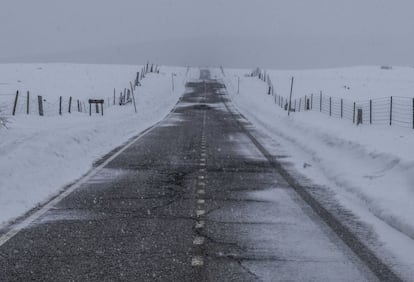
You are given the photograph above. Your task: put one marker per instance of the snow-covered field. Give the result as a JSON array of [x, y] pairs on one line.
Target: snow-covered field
[[40, 155], [369, 168]]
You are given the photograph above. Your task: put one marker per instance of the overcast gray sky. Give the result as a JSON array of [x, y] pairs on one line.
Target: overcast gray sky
[[234, 33]]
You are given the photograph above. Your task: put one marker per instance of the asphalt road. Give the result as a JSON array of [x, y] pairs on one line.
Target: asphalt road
[[195, 199]]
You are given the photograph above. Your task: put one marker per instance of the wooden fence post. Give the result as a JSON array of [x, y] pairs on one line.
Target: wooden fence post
[[391, 111], [60, 105], [133, 97], [353, 118], [40, 102], [290, 98], [70, 104], [342, 108], [15, 102], [320, 102], [114, 96], [28, 102], [370, 111], [78, 105]]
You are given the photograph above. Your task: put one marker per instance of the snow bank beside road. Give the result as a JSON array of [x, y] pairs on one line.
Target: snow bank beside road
[[40, 155], [369, 168]]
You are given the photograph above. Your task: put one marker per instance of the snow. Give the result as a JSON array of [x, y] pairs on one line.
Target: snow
[[41, 155], [369, 168]]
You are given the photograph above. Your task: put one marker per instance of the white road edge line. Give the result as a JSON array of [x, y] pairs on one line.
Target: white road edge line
[[16, 228]]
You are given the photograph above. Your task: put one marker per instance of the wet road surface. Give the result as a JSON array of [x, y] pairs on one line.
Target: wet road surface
[[192, 200]]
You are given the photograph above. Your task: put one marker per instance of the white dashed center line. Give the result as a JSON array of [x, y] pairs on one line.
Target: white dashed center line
[[197, 261], [198, 240], [200, 212]]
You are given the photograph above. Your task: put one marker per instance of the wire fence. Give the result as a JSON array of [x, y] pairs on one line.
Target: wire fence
[[33, 104], [393, 110]]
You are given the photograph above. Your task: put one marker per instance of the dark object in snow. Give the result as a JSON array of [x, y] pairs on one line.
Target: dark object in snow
[[305, 165], [96, 102]]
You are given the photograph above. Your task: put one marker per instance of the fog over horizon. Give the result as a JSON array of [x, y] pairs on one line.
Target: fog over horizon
[[280, 34]]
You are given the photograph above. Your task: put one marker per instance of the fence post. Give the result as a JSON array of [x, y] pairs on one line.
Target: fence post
[[370, 111], [78, 106], [359, 117], [300, 102], [330, 106], [28, 102], [391, 111], [290, 97], [413, 113], [133, 97], [40, 102], [15, 102], [60, 105], [90, 108], [114, 96], [311, 107], [342, 108], [320, 102], [70, 104], [353, 118]]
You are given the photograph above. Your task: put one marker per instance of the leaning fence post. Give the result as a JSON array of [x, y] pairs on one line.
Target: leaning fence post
[[290, 97], [70, 104], [28, 102], [391, 111], [60, 105], [15, 102], [133, 97], [40, 102]]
